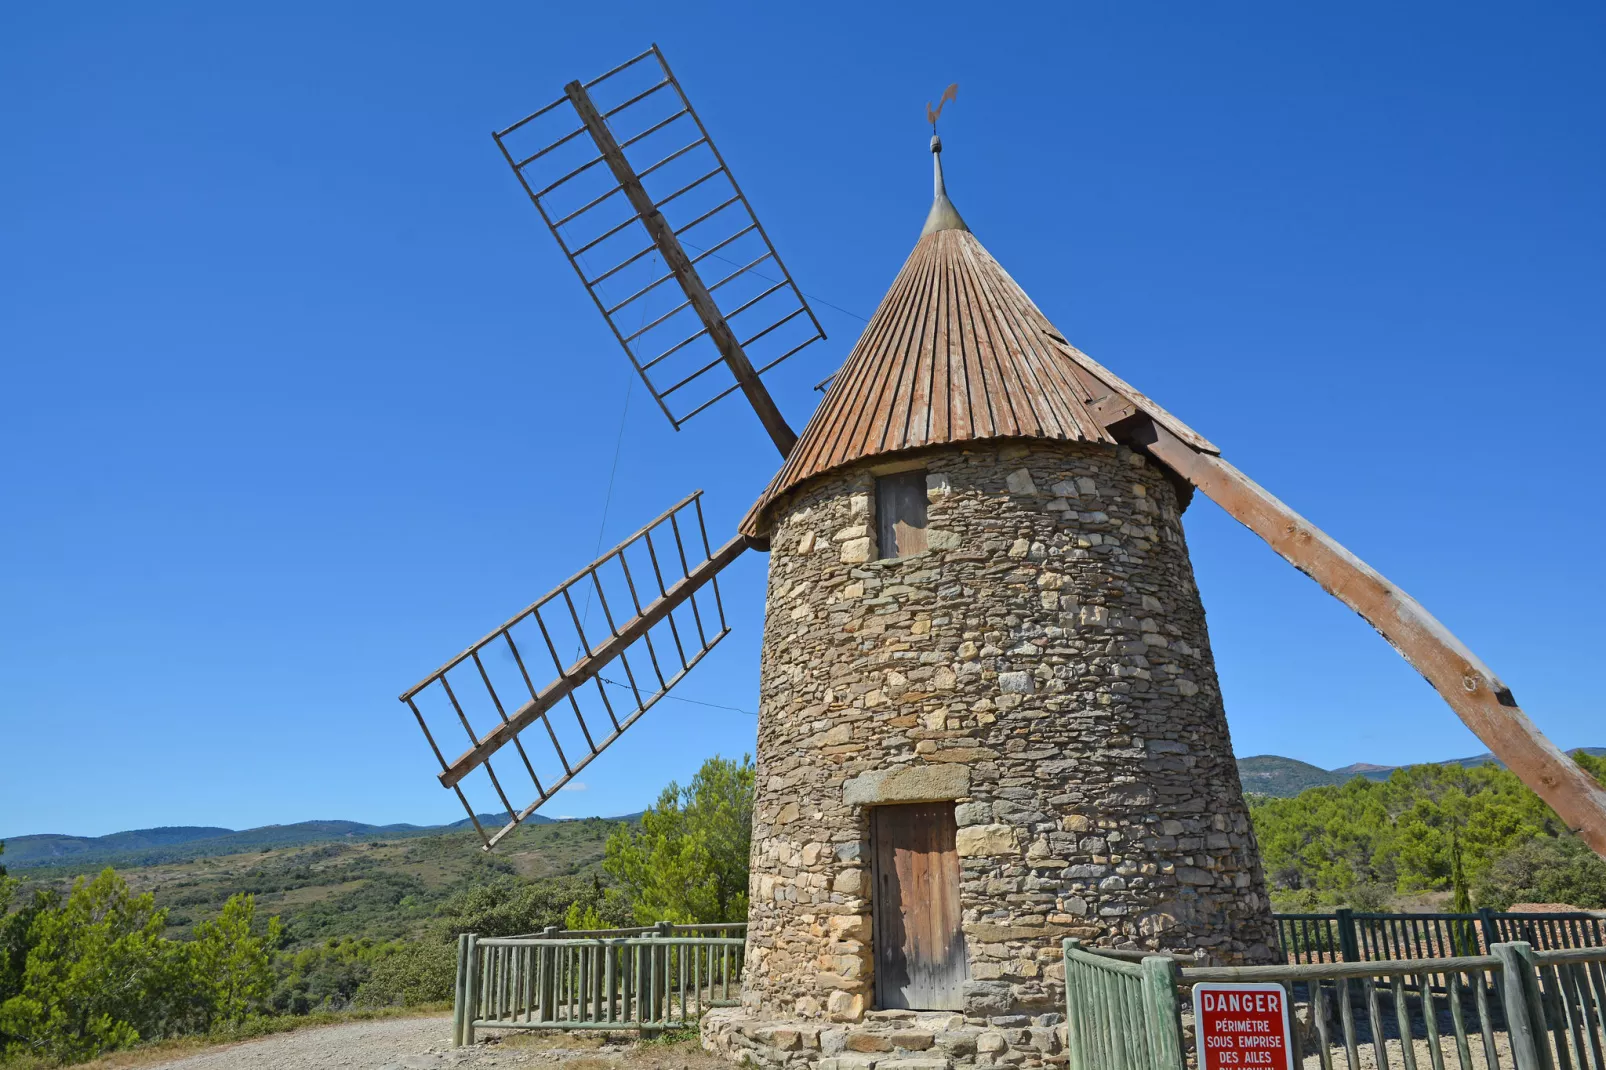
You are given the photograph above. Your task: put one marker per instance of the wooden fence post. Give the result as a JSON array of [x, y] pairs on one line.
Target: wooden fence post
[[1163, 1014], [660, 974], [1349, 948], [471, 987], [1526, 1035], [1536, 1006], [1491, 935], [457, 990]]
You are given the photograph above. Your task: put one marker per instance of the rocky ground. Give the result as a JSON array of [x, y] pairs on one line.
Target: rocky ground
[[424, 1044]]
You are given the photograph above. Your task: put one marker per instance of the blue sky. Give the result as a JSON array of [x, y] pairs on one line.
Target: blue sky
[[300, 397]]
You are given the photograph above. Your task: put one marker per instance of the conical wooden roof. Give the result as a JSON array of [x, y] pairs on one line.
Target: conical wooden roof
[[956, 352]]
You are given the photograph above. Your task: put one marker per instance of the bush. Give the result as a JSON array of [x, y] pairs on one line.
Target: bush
[[413, 973], [1562, 870], [96, 974]]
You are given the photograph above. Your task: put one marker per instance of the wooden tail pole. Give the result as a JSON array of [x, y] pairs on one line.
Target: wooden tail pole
[[1475, 693]]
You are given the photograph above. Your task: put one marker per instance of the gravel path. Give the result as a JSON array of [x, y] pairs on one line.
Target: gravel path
[[414, 1043], [425, 1044]]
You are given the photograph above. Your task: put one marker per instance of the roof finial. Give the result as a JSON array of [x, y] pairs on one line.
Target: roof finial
[[943, 215], [933, 115]]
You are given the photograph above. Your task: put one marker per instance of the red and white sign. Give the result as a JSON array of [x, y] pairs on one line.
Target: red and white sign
[[1242, 1026]]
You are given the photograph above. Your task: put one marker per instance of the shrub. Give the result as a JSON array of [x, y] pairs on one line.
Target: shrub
[[412, 973]]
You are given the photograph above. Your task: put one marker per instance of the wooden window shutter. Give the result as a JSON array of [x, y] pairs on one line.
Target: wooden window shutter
[[900, 509]]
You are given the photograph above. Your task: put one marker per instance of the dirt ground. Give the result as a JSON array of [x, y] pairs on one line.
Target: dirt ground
[[424, 1044]]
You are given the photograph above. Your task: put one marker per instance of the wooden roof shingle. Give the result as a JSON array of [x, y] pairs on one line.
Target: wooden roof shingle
[[956, 352]]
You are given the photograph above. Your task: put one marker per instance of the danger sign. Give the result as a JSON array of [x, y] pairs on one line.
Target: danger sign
[[1242, 1026]]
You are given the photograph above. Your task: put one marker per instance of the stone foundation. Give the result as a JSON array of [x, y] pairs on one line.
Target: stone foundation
[[889, 1040], [1045, 667]]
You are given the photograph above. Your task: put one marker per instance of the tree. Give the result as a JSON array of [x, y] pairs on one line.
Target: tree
[[229, 966], [1561, 870], [1364, 840], [688, 860], [93, 977], [1462, 903]]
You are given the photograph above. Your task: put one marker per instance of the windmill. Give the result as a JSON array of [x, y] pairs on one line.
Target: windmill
[[985, 666]]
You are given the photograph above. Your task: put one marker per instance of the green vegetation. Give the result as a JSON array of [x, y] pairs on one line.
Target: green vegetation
[[687, 861], [235, 945], [96, 973], [1474, 831]]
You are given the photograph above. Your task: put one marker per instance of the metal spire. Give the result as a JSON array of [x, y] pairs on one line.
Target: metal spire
[[943, 215]]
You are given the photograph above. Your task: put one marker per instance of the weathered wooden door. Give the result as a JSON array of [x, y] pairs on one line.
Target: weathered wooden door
[[919, 945]]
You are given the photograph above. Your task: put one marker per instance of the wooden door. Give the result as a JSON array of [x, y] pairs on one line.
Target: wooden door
[[919, 945]]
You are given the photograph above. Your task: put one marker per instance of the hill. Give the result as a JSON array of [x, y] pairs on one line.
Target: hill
[[355, 886], [1283, 778], [149, 847]]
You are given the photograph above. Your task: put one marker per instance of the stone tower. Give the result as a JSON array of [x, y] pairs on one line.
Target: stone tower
[[989, 716]]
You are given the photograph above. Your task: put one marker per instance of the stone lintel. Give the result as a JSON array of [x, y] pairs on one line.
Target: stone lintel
[[908, 783]]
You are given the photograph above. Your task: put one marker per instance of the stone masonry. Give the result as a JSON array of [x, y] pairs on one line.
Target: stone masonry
[[1045, 666]]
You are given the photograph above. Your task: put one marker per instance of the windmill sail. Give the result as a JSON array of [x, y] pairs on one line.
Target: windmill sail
[[614, 658], [637, 196]]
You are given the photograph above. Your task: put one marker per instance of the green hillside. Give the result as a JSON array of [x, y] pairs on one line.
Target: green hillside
[[1282, 778], [356, 887], [150, 847], [1369, 842]]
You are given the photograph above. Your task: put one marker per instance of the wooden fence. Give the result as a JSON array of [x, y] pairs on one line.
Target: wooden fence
[[661, 977], [1517, 1008], [1351, 936]]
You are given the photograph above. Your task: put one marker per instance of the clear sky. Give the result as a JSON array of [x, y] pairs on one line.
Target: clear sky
[[300, 397]]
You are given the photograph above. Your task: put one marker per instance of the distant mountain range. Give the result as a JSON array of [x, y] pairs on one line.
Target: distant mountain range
[[1270, 774], [1264, 774], [150, 847]]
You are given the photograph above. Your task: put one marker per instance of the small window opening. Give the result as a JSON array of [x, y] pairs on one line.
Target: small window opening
[[900, 510]]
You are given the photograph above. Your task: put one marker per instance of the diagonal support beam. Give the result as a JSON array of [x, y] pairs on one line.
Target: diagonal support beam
[[663, 236], [1471, 688], [591, 663]]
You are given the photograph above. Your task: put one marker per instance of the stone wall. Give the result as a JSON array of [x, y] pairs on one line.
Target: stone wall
[[1046, 666]]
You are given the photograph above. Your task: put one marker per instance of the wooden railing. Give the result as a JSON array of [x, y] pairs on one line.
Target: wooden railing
[[1351, 936], [662, 977], [1514, 1009]]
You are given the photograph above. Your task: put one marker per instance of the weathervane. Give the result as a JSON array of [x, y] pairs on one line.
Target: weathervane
[[932, 115]]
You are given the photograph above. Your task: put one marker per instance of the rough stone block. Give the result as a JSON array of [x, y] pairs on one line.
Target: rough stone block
[[911, 1040], [976, 813], [991, 1043], [1016, 683], [845, 1006], [910, 783], [850, 1061], [864, 1041], [985, 840], [983, 998], [1020, 482]]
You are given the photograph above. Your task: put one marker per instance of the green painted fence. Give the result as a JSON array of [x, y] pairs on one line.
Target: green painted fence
[[647, 979], [1352, 936], [1516, 1008]]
